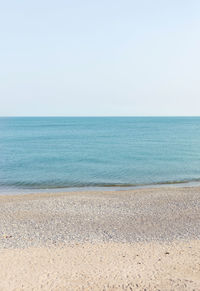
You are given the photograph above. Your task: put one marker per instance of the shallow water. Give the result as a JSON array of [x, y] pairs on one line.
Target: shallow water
[[47, 153]]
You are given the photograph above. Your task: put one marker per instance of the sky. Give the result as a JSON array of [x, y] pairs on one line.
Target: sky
[[100, 58]]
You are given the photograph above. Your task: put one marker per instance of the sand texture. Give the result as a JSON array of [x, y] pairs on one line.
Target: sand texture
[[145, 239]]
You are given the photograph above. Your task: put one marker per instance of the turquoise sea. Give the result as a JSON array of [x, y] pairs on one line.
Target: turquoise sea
[[55, 153]]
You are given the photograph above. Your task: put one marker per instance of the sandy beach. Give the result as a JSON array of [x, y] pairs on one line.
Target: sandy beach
[[144, 239]]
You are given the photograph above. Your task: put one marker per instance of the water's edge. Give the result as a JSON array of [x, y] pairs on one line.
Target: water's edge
[[176, 184]]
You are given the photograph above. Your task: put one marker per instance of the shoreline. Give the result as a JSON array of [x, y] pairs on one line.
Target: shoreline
[[24, 191], [53, 194]]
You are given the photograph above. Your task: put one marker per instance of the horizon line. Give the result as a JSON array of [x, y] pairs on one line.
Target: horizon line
[[92, 116]]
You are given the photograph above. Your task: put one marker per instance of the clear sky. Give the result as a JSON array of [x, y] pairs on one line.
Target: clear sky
[[99, 57]]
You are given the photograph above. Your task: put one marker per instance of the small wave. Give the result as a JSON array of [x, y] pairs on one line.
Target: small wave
[[49, 185]]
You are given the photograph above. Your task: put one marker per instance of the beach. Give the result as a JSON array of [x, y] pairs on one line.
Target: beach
[[143, 239]]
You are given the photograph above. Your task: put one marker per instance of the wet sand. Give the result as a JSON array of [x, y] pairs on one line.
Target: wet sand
[[115, 240]]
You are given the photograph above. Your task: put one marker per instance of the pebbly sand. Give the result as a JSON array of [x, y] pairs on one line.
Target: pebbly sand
[[146, 239]]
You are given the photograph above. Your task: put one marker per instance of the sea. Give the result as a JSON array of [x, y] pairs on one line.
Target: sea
[[40, 154]]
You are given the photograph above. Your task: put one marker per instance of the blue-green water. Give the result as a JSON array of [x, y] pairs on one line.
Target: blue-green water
[[51, 153]]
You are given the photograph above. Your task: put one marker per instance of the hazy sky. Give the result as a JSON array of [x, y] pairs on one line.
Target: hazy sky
[[99, 57]]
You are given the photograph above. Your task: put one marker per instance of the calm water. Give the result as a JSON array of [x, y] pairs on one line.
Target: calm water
[[50, 153]]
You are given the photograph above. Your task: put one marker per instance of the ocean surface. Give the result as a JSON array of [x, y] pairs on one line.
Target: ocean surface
[[59, 153]]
